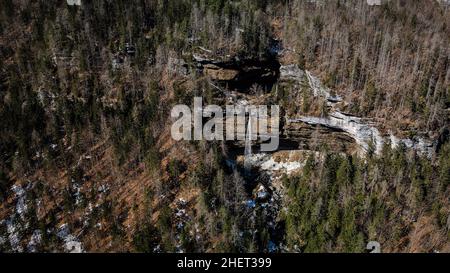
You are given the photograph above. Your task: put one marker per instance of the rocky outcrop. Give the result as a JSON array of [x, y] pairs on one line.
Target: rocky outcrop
[[239, 74], [299, 135], [220, 74], [363, 131], [310, 136], [291, 72], [321, 91]]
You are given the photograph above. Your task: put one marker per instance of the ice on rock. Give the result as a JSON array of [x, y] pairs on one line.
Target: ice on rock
[[319, 90], [292, 72], [364, 132], [361, 132], [250, 203], [267, 162]]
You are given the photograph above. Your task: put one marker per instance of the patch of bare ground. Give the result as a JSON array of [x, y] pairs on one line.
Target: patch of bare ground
[[426, 236]]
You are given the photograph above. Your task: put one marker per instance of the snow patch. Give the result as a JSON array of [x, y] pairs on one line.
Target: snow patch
[[321, 91], [267, 162], [74, 2], [34, 241], [71, 243], [21, 205]]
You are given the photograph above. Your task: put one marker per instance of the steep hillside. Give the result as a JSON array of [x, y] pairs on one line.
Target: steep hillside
[[88, 163]]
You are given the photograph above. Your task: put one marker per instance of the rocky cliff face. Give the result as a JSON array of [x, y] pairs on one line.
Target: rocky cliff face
[[363, 131], [316, 136], [239, 74], [337, 130]]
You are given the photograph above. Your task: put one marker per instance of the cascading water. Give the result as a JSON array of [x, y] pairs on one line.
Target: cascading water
[[248, 146]]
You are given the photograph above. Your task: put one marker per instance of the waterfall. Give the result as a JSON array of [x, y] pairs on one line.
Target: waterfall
[[248, 145]]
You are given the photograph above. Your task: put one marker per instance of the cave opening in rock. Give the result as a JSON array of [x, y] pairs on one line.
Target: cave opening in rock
[[243, 75]]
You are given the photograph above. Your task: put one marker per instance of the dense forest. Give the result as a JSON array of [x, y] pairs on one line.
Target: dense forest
[[88, 164]]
